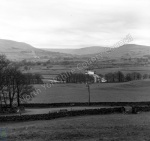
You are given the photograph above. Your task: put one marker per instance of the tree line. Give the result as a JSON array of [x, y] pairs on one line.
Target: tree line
[[69, 77], [33, 78], [112, 77], [121, 77]]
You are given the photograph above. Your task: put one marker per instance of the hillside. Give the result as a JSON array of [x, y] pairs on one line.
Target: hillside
[[18, 51], [81, 51], [125, 51], [129, 50]]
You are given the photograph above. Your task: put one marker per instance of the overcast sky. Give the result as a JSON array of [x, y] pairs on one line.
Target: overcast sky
[[74, 23]]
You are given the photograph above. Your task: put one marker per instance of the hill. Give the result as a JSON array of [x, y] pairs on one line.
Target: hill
[[81, 51], [129, 51], [125, 51], [19, 50]]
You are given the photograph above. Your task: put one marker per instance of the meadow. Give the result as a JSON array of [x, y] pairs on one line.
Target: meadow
[[134, 91], [125, 69], [54, 70], [115, 127]]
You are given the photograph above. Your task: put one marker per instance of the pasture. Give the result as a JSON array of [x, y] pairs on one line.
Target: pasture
[[134, 91], [125, 69], [55, 70], [115, 127]]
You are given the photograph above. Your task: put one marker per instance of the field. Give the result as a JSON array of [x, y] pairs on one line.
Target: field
[[115, 127], [125, 69], [55, 70], [134, 91]]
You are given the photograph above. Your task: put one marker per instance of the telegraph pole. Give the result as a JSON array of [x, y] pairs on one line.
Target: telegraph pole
[[88, 85]]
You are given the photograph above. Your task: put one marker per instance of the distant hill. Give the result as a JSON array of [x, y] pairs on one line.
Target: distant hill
[[129, 50], [125, 51], [81, 51], [18, 51]]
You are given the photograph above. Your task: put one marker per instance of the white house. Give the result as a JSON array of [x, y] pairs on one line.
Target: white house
[[97, 78]]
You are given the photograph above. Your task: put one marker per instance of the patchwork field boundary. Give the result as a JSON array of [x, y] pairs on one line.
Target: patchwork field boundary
[[61, 114], [73, 104]]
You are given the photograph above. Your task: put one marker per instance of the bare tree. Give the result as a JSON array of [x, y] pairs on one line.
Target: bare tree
[[3, 64], [18, 86], [23, 87], [14, 85]]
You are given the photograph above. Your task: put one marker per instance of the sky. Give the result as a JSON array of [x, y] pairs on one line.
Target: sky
[[74, 23]]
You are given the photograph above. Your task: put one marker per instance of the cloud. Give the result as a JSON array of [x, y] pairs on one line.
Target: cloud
[[74, 23]]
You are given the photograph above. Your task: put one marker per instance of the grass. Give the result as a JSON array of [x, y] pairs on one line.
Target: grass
[[135, 91], [125, 69], [57, 69], [115, 127]]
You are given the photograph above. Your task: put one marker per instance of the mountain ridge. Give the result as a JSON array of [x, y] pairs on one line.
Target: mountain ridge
[[132, 50], [19, 50], [81, 51]]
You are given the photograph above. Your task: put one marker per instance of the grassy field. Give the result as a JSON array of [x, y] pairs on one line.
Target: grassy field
[[115, 127], [141, 69], [134, 91], [55, 70]]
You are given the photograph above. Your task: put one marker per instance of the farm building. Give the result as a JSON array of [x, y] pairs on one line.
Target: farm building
[[97, 78]]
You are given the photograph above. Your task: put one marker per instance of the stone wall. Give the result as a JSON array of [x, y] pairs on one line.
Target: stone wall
[[46, 105], [66, 113], [60, 114]]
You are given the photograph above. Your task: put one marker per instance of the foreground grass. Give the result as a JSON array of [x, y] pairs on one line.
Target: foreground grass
[[116, 127]]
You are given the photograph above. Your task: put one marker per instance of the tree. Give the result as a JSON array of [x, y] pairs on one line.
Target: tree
[[136, 76], [23, 88], [3, 62], [145, 76], [128, 77], [37, 79], [75, 77], [18, 86], [109, 77], [15, 87], [120, 76], [25, 68]]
